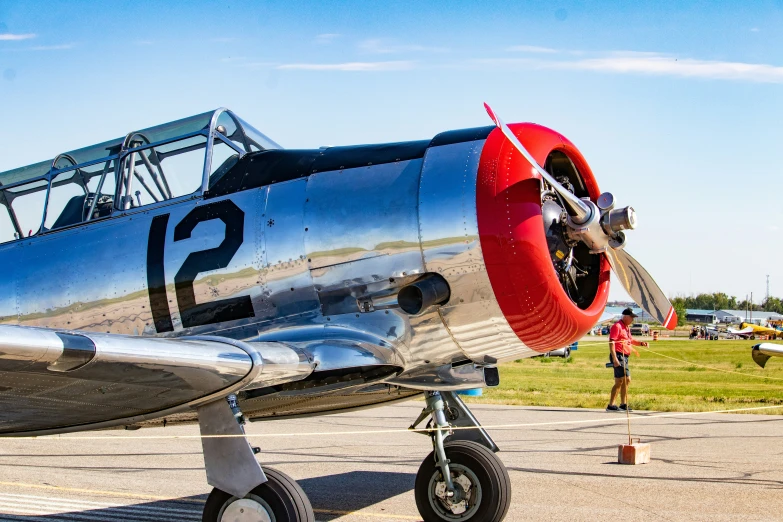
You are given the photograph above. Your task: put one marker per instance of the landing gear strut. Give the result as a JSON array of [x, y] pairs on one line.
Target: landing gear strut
[[462, 479], [244, 491]]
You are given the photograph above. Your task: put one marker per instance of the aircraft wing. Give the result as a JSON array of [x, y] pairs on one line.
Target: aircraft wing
[[607, 318], [745, 332], [53, 381], [761, 353]]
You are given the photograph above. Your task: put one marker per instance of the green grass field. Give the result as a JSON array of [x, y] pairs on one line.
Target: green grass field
[[657, 383]]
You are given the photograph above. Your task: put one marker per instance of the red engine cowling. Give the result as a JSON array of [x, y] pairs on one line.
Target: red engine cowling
[[514, 243]]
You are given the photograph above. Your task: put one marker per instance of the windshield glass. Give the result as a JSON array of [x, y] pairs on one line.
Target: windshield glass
[[258, 140], [36, 170], [177, 128], [93, 152]]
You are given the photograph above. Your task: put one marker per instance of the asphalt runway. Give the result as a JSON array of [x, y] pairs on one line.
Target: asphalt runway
[[717, 467]]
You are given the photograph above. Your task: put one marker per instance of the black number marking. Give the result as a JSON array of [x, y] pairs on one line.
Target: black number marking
[[213, 259], [192, 313], [156, 277]]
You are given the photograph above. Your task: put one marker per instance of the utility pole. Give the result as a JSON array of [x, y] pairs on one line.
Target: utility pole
[[767, 298], [751, 307]]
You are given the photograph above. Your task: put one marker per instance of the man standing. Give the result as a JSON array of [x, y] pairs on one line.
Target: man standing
[[620, 346]]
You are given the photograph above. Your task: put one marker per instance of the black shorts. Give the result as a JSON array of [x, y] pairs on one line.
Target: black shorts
[[618, 370]]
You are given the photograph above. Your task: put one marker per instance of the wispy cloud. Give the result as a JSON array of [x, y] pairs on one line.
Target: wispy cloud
[[326, 38], [10, 37], [659, 64], [143, 42], [247, 63], [351, 66], [754, 29], [381, 46], [531, 49], [59, 47], [256, 65]]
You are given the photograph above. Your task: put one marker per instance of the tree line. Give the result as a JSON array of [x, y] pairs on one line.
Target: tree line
[[721, 301]]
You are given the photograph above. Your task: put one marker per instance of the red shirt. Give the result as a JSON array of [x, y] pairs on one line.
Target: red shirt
[[621, 334]]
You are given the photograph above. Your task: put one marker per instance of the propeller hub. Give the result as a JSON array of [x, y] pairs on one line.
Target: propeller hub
[[619, 219], [590, 232]]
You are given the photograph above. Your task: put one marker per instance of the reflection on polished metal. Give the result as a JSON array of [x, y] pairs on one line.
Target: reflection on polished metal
[[448, 226], [322, 276], [445, 377]]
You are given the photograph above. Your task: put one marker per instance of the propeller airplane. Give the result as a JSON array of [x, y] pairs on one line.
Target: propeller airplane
[[197, 272]]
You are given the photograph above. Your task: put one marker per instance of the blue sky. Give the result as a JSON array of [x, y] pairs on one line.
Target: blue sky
[[677, 106]]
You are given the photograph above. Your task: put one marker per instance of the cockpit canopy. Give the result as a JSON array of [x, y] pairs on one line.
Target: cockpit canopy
[[170, 161]]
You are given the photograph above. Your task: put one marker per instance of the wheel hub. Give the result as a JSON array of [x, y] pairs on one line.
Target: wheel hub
[[465, 500], [247, 510]]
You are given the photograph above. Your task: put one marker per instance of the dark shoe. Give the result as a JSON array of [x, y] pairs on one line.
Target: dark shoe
[[624, 407], [612, 407]]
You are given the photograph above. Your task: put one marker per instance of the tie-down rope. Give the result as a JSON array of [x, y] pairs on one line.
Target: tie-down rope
[[610, 420], [598, 343]]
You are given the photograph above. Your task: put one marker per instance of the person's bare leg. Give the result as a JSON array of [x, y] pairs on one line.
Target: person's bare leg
[[613, 394], [624, 391]]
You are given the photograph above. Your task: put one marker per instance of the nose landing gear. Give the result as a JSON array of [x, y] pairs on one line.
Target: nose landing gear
[[482, 485], [461, 479]]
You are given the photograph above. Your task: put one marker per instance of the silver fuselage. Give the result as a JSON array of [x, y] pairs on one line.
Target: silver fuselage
[[312, 250]]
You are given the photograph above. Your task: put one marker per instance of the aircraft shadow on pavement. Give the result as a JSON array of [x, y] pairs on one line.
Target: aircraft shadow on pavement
[[356, 489], [342, 492]]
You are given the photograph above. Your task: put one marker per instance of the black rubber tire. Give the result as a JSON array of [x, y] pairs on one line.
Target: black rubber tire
[[488, 468], [286, 498]]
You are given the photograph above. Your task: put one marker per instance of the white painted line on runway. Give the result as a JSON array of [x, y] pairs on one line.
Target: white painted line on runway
[[103, 493], [68, 509], [87, 504], [93, 516]]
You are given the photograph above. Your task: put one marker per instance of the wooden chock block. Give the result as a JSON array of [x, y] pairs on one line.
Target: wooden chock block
[[636, 453]]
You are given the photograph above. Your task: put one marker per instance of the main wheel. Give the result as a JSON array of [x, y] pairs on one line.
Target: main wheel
[[280, 499], [483, 484]]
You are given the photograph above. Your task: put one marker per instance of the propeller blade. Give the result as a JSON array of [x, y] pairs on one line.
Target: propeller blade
[[576, 207], [642, 287]]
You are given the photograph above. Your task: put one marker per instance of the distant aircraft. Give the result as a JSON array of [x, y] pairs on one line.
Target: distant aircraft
[[606, 319], [762, 352], [760, 330], [197, 272], [744, 333]]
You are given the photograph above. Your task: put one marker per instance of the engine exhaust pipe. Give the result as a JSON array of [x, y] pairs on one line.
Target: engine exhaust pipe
[[430, 290]]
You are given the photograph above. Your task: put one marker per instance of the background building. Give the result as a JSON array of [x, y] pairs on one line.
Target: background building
[[701, 316]]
